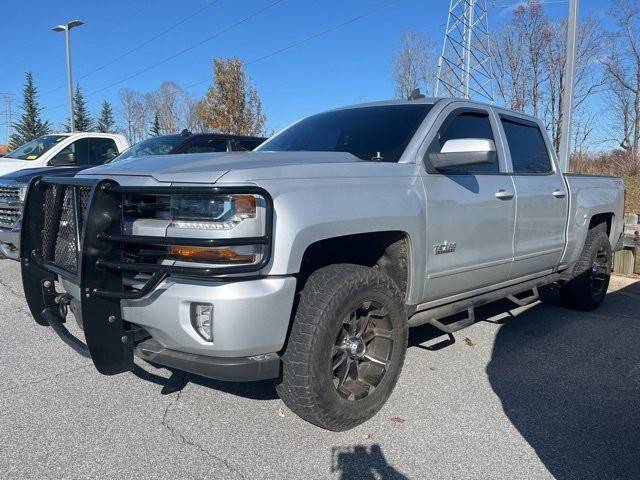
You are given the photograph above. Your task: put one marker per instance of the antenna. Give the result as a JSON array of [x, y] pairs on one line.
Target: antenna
[[465, 65]]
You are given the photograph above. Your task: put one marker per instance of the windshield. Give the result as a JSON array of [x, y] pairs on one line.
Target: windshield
[[35, 148], [379, 133], [152, 146]]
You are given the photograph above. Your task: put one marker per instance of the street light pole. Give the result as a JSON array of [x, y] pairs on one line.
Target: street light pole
[[569, 80], [67, 29]]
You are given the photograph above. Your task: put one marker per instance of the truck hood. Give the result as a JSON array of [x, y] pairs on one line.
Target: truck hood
[[26, 174], [210, 167], [9, 165]]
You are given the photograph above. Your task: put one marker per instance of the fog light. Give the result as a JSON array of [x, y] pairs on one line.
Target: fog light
[[202, 320]]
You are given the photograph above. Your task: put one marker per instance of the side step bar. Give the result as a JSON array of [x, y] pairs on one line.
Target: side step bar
[[434, 316]]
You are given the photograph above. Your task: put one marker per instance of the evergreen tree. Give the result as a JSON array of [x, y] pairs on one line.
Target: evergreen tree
[[30, 125], [106, 122], [155, 126], [82, 117]]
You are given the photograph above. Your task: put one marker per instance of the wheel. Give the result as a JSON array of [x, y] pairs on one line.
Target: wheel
[[588, 287], [346, 348]]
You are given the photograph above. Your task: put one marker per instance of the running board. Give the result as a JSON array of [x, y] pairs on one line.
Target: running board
[[455, 326], [523, 302], [434, 316]]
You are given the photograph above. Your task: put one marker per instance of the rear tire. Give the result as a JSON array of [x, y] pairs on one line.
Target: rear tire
[[588, 287], [346, 348]]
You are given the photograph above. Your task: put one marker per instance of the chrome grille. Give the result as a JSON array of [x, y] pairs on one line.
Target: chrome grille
[[9, 217], [9, 194]]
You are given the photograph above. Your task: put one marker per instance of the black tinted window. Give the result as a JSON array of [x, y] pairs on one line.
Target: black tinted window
[[466, 125], [101, 150], [162, 145], [205, 145], [528, 149], [378, 133], [80, 149]]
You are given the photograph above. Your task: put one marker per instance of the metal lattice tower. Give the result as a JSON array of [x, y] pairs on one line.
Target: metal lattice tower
[[7, 101], [465, 66]]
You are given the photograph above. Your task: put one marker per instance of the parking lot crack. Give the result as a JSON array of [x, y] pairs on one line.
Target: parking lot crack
[[187, 441], [44, 379]]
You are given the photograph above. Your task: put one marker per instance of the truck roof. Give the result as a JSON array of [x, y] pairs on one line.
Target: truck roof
[[433, 100]]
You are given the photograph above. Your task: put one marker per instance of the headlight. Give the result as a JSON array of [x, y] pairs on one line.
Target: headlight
[[235, 225], [22, 192], [222, 212]]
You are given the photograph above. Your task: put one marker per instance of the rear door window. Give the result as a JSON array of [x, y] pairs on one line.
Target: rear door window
[[529, 153], [101, 150]]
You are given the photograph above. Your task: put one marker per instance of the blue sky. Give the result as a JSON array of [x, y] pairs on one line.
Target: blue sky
[[346, 65]]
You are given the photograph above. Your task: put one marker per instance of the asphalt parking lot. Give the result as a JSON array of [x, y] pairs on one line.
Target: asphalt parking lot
[[541, 392]]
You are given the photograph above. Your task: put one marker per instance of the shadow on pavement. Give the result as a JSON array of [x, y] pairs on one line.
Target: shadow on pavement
[[263, 390], [362, 463], [570, 383]]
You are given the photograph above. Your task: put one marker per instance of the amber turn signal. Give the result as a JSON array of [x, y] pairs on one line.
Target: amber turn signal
[[210, 255]]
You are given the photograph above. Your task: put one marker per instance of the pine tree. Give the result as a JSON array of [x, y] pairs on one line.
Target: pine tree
[[155, 126], [30, 125], [82, 117], [106, 122]]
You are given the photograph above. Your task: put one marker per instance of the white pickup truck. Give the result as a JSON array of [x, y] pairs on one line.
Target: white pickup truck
[[64, 149], [307, 260], [54, 154]]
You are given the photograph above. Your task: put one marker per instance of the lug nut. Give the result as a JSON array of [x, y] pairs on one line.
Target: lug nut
[[111, 319], [124, 339], [47, 284]]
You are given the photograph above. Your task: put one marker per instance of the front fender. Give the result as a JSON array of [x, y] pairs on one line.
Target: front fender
[[307, 211]]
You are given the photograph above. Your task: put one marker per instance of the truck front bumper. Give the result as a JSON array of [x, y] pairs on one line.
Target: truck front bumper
[[234, 369], [250, 317]]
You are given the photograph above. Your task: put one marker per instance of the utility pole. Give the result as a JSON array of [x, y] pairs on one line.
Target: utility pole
[[465, 67], [567, 87], [66, 28]]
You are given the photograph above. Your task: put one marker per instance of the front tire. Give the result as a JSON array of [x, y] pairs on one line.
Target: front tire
[[346, 348], [588, 287]]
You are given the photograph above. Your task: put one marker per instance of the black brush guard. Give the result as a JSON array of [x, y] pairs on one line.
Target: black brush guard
[[72, 228]]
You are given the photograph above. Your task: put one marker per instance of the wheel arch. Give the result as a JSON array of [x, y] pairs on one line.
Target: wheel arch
[[389, 250]]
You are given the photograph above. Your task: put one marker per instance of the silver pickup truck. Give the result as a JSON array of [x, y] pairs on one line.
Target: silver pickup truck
[[307, 260]]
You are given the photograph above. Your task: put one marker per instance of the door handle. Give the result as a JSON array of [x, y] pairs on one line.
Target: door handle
[[503, 194], [559, 194]]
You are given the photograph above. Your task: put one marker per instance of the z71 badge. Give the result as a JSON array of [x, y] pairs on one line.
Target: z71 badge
[[444, 247]]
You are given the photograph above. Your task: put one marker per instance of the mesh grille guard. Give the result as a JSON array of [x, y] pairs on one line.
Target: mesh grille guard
[[73, 228]]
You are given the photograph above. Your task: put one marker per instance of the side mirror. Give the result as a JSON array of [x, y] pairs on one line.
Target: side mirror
[[63, 158], [464, 151]]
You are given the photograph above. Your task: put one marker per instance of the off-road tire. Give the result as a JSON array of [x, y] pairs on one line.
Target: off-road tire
[[307, 385], [581, 292]]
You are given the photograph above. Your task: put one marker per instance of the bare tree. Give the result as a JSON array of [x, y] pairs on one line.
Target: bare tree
[[588, 79], [530, 58], [133, 114], [414, 64], [169, 103], [622, 66], [519, 58], [231, 105]]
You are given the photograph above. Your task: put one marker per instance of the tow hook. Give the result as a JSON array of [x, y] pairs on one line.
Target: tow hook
[[63, 300]]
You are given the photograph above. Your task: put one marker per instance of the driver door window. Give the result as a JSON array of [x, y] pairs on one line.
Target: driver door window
[[466, 124]]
